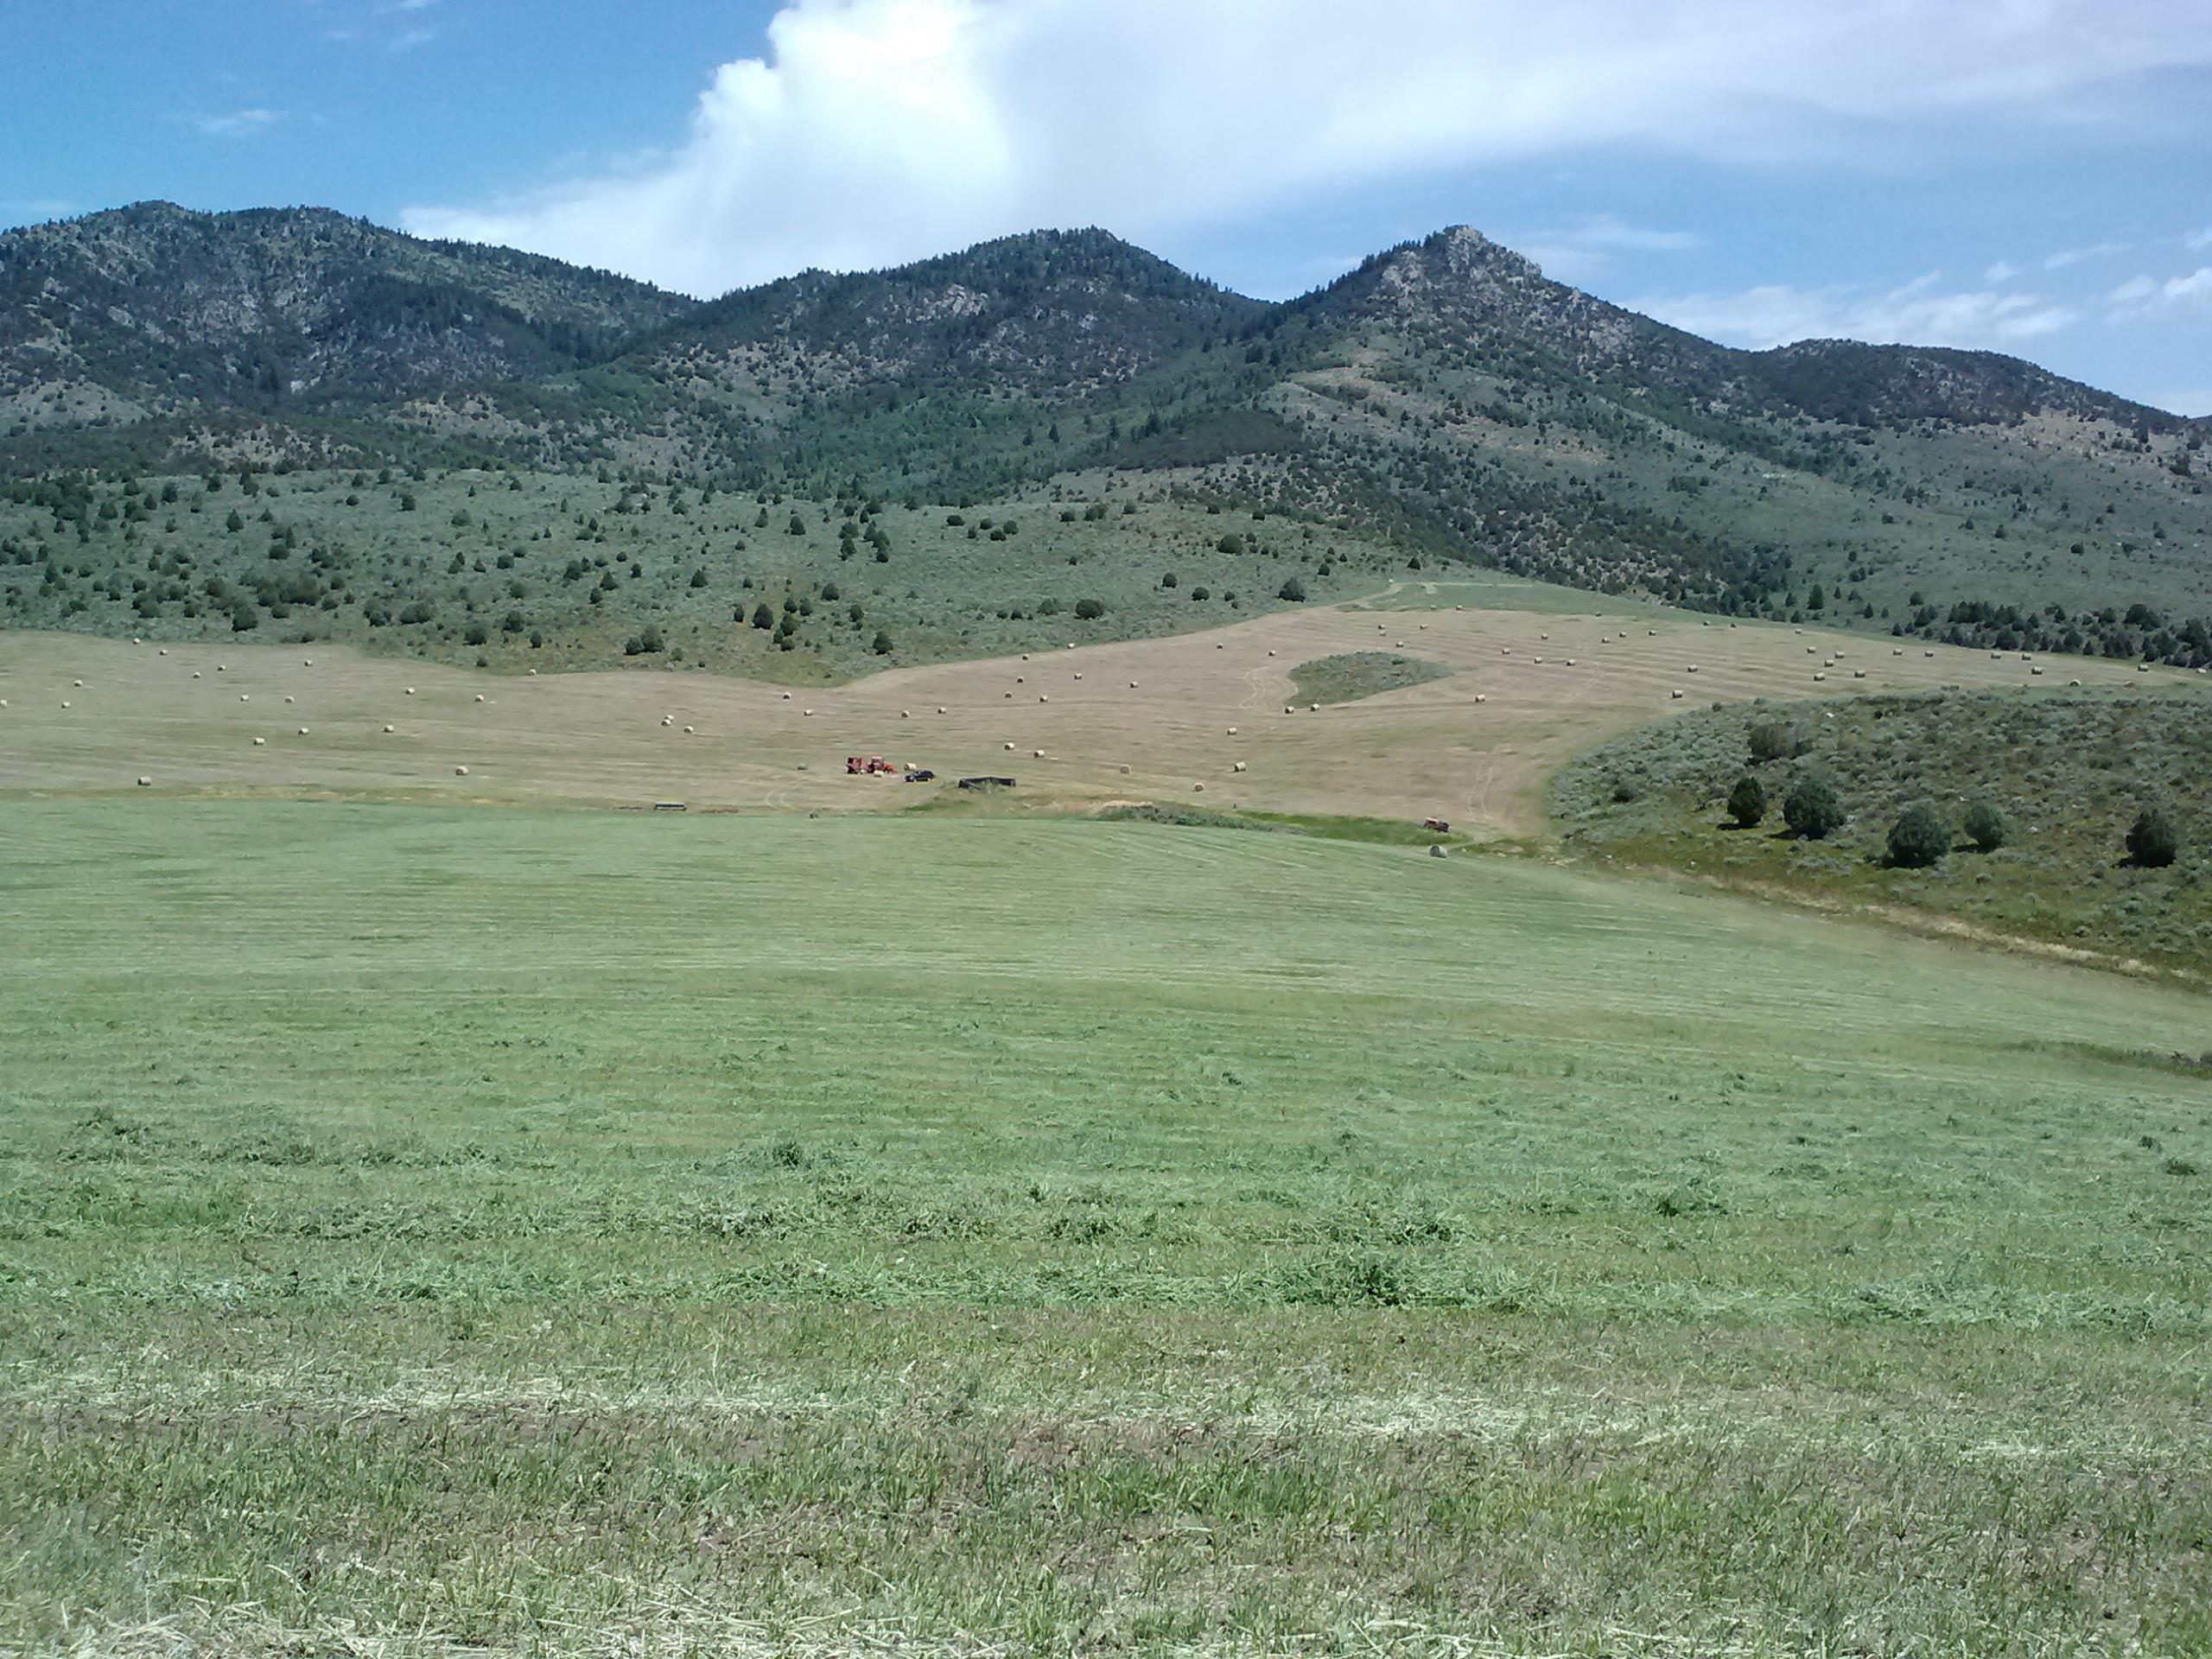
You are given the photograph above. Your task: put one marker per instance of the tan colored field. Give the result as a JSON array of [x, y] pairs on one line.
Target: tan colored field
[[1148, 720]]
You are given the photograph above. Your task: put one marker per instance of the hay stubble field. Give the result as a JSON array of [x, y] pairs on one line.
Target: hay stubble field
[[1526, 686]]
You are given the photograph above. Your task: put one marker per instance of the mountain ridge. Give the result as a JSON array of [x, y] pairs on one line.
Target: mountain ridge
[[1445, 393]]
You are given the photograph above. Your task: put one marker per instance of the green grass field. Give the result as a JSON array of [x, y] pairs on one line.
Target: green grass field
[[513, 1231]]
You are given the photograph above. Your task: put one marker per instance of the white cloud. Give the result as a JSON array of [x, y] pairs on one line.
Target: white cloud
[[2066, 257], [2198, 240], [237, 124], [876, 131], [1920, 313], [2139, 295], [2003, 271], [1587, 248]]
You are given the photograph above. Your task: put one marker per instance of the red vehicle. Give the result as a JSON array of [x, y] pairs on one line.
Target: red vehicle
[[1437, 824], [866, 765]]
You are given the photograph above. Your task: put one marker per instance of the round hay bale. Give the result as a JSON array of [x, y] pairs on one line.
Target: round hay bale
[[1271, 654], [143, 783], [905, 713], [807, 714], [688, 730], [80, 684], [387, 731], [1025, 656], [666, 720], [303, 731], [1857, 673], [244, 698], [1481, 697], [787, 697], [307, 662], [1570, 662], [1897, 650], [195, 673], [165, 651], [1286, 708], [1692, 669], [287, 699], [1078, 677], [1042, 698], [1313, 708], [1239, 767], [1036, 754], [1197, 789], [1436, 850], [1819, 677], [1928, 653], [1132, 685], [65, 702], [2073, 682], [479, 697], [222, 668], [1232, 731], [1676, 693], [940, 708], [1009, 749], [410, 690], [258, 741], [461, 772], [1125, 771], [2034, 668]]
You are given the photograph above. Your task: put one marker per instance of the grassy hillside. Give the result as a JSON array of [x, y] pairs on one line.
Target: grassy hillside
[[509, 569], [529, 1230], [2069, 772], [1446, 396]]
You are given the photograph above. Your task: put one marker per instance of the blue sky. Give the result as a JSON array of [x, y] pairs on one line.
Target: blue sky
[[2032, 176]]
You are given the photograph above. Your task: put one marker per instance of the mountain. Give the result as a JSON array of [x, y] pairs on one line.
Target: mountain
[[1445, 395], [156, 310]]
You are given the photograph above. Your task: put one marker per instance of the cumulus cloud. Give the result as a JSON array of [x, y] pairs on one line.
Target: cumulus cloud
[[876, 131], [1920, 313]]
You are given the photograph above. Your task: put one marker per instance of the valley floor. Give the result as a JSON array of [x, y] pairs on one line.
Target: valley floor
[[433, 1230]]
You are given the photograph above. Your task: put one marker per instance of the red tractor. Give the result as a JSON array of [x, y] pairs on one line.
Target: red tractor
[[866, 765], [1439, 825]]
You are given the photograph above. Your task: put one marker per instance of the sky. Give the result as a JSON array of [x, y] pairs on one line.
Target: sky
[[2029, 176]]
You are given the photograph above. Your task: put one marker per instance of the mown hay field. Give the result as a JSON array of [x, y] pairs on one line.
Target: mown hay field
[[524, 1230], [1513, 689]]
